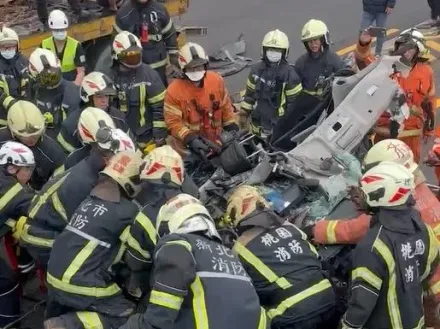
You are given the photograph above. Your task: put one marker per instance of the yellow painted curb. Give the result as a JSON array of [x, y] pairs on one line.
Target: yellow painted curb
[[348, 49]]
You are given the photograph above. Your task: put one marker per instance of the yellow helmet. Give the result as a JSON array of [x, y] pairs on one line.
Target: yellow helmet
[[242, 202], [25, 120], [314, 29], [90, 120], [393, 150], [163, 165], [184, 214], [123, 168], [388, 184], [275, 39]]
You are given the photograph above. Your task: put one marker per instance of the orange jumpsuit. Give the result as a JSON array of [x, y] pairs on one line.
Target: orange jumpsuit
[[418, 86], [351, 231], [198, 110]]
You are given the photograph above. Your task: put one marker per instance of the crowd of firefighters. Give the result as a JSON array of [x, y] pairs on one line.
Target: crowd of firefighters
[[95, 196]]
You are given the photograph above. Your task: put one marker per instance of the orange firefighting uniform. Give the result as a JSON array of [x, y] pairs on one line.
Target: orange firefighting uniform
[[345, 231], [202, 110], [418, 86]]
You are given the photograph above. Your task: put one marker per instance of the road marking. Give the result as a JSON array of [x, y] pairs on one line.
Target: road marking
[[434, 45], [348, 49], [437, 103]]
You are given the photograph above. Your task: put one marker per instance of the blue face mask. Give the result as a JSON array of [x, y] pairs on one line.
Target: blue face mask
[[8, 54], [59, 35]]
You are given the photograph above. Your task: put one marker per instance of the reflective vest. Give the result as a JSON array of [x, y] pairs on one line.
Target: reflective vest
[[68, 60]]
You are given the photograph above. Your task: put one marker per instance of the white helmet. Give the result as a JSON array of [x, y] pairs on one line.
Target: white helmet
[[163, 165], [123, 168], [58, 20], [127, 49], [16, 154], [44, 66], [393, 150], [8, 36], [414, 36], [314, 29], [388, 184], [114, 140], [90, 120], [192, 55], [96, 83], [275, 39], [185, 214]]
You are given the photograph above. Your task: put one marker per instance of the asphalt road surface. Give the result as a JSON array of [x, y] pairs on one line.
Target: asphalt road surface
[[226, 19]]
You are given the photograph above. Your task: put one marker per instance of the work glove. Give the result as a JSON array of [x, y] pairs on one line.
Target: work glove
[[197, 146], [48, 117], [151, 145], [243, 120], [19, 227]]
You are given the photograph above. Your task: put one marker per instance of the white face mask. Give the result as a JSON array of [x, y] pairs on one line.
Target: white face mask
[[195, 76], [274, 56], [59, 35], [8, 54]]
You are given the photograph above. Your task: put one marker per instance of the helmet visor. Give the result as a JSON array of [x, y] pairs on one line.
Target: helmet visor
[[49, 78], [130, 58], [107, 91]]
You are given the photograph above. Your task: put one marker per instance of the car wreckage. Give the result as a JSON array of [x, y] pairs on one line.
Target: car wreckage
[[305, 170]]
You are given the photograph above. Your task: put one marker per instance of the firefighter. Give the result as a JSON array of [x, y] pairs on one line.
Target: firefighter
[[57, 201], [344, 231], [197, 106], [68, 50], [80, 277], [397, 258], [162, 174], [150, 22], [26, 125], [196, 280], [419, 87], [54, 96], [319, 62], [282, 264], [14, 80], [96, 91], [272, 84], [16, 165], [140, 91]]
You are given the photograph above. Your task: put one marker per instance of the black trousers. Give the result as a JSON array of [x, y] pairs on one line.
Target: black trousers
[[9, 294], [435, 8]]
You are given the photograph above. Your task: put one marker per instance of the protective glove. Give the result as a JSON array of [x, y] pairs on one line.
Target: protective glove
[[160, 142], [19, 226], [254, 129], [243, 120], [197, 146], [48, 117]]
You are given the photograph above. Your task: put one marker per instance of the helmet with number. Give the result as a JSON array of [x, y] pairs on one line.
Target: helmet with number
[[392, 150], [123, 168], [17, 154], [185, 214], [25, 120], [275, 39], [315, 29], [8, 36], [58, 20], [90, 120], [388, 184], [127, 49], [163, 165], [192, 55], [242, 202], [45, 68], [96, 83], [114, 140]]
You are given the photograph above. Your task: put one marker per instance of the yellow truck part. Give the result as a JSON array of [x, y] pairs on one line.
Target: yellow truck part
[[95, 28]]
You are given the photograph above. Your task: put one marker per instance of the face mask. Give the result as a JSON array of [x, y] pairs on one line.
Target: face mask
[[59, 35], [8, 54], [195, 76], [274, 56]]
